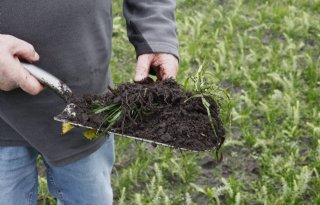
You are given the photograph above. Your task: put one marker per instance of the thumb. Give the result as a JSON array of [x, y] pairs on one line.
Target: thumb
[[143, 67]]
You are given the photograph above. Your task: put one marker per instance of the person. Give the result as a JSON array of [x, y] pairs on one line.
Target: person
[[72, 40]]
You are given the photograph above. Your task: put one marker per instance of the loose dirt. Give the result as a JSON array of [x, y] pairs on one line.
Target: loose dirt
[[163, 112]]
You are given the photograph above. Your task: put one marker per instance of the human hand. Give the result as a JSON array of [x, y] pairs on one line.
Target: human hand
[[12, 73], [166, 66]]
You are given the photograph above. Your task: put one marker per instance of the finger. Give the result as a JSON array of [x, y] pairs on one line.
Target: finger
[[9, 85], [168, 66], [169, 70], [170, 73], [143, 67], [23, 50], [160, 74], [28, 83]]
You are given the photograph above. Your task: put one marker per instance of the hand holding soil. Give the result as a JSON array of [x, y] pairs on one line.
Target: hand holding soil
[[12, 74], [165, 65]]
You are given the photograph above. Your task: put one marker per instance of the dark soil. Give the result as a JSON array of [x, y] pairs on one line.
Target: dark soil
[[164, 112]]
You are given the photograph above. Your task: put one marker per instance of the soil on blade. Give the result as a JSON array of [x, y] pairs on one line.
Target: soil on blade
[[160, 111]]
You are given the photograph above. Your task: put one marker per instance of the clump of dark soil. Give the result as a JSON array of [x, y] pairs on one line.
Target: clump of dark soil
[[160, 111]]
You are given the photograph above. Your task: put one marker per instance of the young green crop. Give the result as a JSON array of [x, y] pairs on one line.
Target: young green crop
[[267, 54]]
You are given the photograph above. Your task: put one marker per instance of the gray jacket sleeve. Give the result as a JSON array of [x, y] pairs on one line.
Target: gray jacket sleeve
[[151, 25]]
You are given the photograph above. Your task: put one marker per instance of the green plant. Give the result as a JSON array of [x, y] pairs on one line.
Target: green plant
[[266, 55], [205, 89], [112, 114], [44, 197]]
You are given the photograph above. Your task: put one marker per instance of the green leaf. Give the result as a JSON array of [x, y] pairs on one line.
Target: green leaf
[[66, 127], [105, 108], [90, 134], [186, 83]]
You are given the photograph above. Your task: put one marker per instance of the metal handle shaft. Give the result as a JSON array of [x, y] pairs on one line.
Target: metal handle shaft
[[49, 80]]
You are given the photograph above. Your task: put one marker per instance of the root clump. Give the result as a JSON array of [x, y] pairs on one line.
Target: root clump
[[160, 111]]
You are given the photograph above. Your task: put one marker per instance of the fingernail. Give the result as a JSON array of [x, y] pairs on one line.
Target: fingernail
[[139, 76], [136, 79], [36, 55]]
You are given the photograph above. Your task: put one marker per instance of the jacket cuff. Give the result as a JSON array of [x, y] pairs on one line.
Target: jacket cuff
[[144, 48]]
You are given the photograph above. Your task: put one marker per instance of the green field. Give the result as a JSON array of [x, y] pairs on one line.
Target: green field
[[266, 55]]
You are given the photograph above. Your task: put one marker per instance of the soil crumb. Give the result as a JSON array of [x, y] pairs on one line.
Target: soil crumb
[[160, 111]]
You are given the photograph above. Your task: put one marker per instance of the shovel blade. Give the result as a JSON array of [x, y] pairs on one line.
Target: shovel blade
[[70, 111]]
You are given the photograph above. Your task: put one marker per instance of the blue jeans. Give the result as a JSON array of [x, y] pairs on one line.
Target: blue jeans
[[84, 182]]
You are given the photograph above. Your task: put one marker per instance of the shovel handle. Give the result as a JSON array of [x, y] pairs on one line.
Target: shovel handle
[[59, 87]]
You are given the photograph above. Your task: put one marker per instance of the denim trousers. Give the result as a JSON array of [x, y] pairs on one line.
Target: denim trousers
[[84, 182]]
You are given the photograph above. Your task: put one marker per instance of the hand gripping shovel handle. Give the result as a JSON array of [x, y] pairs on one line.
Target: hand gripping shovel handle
[[59, 87]]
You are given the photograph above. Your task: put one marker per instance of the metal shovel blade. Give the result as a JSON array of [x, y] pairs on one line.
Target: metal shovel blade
[[70, 111]]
